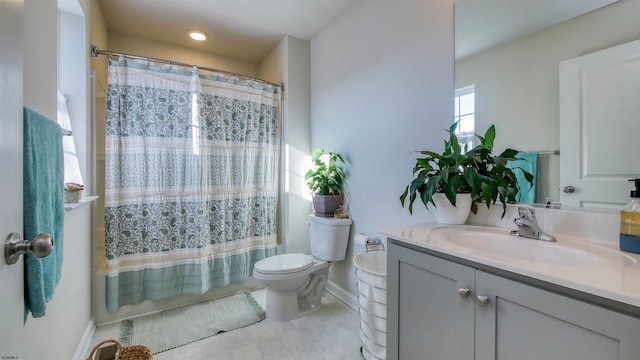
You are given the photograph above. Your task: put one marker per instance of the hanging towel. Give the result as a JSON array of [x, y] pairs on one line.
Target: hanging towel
[[528, 161], [43, 207]]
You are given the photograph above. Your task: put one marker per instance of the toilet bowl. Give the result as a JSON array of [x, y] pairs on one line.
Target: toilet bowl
[[295, 282]]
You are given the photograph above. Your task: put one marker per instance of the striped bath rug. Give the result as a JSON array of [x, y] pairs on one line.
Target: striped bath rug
[[172, 328]]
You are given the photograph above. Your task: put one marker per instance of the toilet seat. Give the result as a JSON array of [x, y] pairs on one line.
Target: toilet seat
[[284, 264]]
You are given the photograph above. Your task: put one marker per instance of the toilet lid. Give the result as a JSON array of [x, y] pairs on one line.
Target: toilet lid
[[284, 264]]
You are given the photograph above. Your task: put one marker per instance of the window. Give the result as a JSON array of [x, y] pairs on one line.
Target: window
[[464, 115], [71, 165]]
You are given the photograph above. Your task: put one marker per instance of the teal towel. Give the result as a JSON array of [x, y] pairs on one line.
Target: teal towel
[[43, 207], [528, 161]]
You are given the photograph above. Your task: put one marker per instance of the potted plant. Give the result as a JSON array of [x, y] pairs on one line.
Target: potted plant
[[72, 192], [325, 179], [473, 175]]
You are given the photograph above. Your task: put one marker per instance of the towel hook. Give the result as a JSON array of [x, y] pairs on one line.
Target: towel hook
[[14, 246]]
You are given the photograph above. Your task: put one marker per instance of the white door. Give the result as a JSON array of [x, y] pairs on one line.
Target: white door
[[600, 126], [11, 283]]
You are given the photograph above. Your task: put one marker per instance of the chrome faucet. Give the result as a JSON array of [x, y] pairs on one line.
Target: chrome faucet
[[528, 225]]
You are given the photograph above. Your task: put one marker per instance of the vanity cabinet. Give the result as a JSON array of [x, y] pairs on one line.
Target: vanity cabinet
[[440, 309]]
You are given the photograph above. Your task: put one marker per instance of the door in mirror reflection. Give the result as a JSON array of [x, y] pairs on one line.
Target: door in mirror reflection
[[600, 110]]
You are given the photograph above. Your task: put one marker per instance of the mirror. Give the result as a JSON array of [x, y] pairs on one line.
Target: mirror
[[510, 52]]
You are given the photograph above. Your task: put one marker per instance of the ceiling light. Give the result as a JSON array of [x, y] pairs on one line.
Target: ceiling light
[[197, 35]]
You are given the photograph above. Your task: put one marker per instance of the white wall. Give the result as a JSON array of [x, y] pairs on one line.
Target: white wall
[[69, 312], [517, 83], [297, 137], [382, 87], [70, 307], [292, 59], [274, 68], [40, 56]]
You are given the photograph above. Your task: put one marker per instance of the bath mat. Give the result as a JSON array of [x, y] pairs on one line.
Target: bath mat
[[172, 328]]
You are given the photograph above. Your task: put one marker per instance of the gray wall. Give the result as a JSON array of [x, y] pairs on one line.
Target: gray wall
[[382, 87]]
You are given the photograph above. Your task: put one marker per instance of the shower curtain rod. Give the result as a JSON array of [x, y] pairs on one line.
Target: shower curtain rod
[[95, 52]]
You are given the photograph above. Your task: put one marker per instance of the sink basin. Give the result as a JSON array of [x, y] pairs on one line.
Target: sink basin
[[498, 243]]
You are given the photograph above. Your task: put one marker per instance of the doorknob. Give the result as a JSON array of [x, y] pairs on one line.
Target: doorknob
[[568, 189], [40, 246]]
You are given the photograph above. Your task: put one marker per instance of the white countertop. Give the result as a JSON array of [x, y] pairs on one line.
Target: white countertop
[[617, 278]]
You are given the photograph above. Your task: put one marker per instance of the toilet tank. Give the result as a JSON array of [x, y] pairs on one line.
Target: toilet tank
[[329, 237]]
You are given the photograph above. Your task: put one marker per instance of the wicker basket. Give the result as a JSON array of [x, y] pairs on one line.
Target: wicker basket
[[132, 352]]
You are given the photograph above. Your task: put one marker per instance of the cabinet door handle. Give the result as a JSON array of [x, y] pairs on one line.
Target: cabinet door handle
[[464, 293], [482, 300]]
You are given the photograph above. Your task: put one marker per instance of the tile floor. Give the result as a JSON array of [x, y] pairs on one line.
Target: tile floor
[[331, 333]]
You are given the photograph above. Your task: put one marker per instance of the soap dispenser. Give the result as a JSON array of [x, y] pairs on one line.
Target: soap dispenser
[[630, 222]]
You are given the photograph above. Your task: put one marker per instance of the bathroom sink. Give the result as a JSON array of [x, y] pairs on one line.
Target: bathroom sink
[[498, 243]]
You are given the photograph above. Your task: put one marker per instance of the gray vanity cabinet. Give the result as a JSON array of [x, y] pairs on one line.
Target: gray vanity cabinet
[[426, 318], [432, 316]]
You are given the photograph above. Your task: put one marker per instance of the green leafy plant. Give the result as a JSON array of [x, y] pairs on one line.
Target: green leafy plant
[[70, 186], [327, 176], [477, 172]]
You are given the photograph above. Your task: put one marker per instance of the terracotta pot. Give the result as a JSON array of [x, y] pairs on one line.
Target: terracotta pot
[[446, 213]]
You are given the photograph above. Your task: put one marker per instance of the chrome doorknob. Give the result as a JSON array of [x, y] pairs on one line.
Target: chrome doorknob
[[482, 300], [464, 293], [568, 189], [14, 246]]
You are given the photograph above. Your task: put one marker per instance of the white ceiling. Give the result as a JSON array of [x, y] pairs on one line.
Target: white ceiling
[[483, 24], [250, 29], [245, 29]]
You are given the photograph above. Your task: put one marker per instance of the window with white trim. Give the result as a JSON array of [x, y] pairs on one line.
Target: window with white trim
[[464, 115]]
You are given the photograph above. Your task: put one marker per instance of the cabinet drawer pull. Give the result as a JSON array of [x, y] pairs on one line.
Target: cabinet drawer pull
[[482, 300], [464, 293]]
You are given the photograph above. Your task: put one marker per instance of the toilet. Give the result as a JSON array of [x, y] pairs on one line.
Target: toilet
[[295, 282]]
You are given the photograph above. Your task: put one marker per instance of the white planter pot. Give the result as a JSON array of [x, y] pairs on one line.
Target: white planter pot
[[446, 213], [72, 196]]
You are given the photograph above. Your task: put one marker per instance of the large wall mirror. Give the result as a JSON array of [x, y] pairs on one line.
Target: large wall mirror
[[510, 52]]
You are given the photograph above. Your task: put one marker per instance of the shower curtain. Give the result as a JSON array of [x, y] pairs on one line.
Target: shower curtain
[[191, 180]]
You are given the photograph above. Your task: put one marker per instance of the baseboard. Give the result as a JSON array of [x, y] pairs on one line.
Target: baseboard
[[83, 346], [342, 295]]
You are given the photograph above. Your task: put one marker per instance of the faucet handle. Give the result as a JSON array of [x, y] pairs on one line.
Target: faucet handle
[[526, 212], [552, 203], [528, 225]]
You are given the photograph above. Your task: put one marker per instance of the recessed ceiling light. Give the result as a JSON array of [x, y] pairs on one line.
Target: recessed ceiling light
[[197, 35]]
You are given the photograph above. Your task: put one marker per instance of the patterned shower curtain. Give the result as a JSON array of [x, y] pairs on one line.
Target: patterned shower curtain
[[191, 180]]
